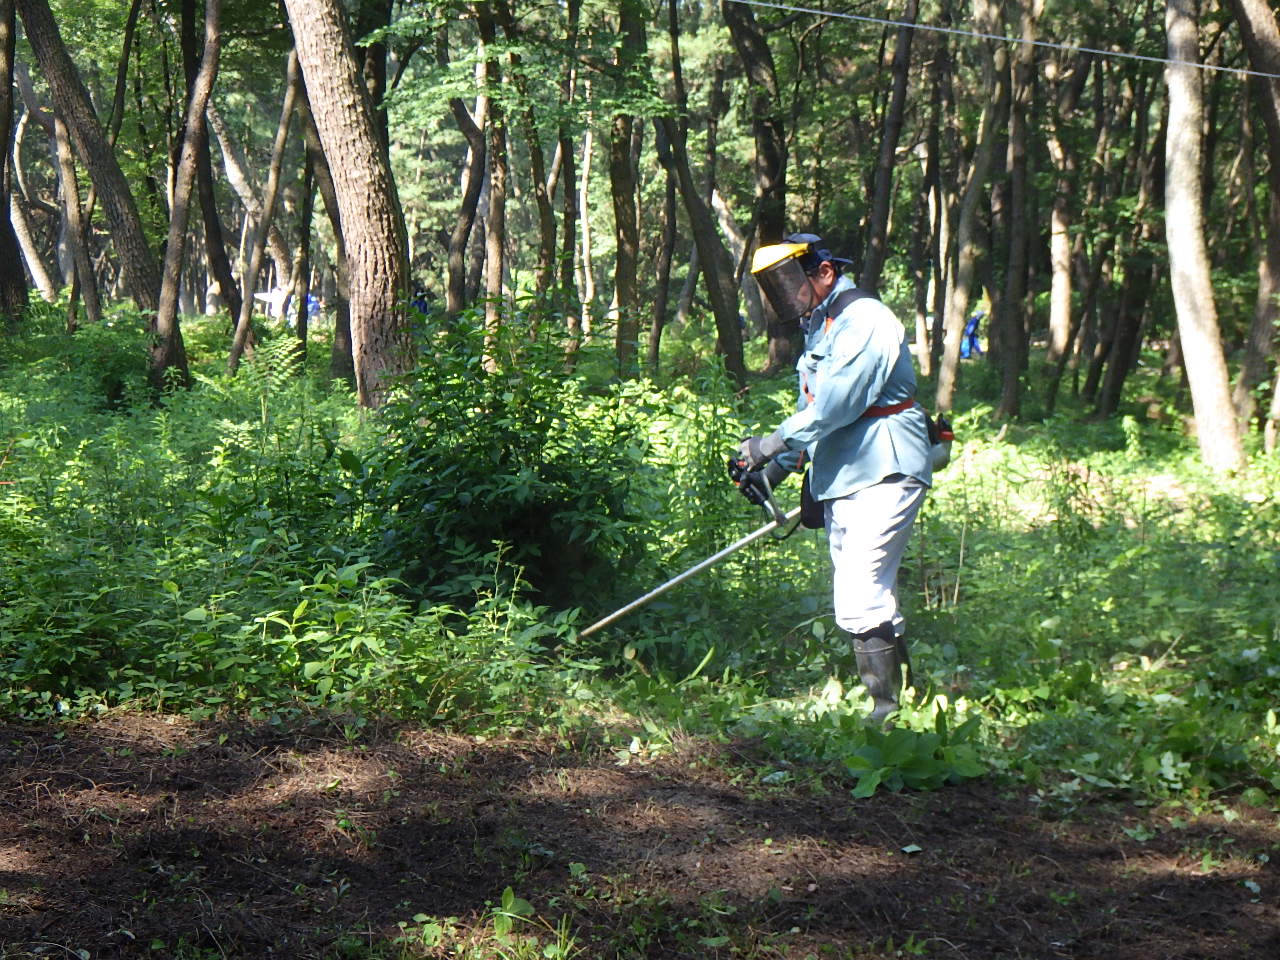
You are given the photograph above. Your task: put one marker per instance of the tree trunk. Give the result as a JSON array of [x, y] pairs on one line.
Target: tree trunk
[[739, 244], [768, 127], [13, 282], [1061, 326], [1126, 342], [495, 247], [214, 241], [473, 173], [85, 281], [878, 223], [568, 294], [720, 286], [167, 351], [372, 15], [717, 265], [141, 270], [666, 253], [372, 224], [587, 282], [302, 263], [244, 325], [238, 179], [1188, 259], [341, 364], [545, 269], [1261, 35], [1008, 326], [994, 109], [631, 53], [940, 180], [30, 251]]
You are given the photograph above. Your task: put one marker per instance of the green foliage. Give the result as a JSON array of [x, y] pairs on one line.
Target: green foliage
[[491, 450], [1090, 612], [205, 554]]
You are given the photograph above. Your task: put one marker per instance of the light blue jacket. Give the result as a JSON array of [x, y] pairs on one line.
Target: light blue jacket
[[853, 361]]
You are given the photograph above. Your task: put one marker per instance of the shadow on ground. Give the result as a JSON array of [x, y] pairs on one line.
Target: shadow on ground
[[141, 836]]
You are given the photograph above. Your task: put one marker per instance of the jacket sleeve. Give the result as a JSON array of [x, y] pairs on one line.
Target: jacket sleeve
[[851, 378]]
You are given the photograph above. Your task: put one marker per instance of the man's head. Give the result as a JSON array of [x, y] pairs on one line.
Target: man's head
[[796, 275]]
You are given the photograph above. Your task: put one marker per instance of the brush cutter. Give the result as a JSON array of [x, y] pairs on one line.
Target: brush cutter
[[755, 488]]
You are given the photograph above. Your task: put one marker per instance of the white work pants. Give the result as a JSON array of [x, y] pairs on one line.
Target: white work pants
[[868, 533]]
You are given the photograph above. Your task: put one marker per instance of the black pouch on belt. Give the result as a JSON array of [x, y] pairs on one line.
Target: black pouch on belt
[[812, 514]]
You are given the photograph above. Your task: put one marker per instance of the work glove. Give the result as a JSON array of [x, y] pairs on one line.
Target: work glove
[[756, 485], [757, 451]]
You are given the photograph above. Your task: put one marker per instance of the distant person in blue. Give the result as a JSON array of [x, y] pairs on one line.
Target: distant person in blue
[[421, 300], [970, 345], [858, 420]]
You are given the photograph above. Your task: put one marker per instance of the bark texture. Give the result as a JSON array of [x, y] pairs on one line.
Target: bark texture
[[372, 224], [1188, 258]]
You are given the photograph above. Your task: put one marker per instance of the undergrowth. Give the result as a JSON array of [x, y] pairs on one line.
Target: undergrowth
[[1090, 611]]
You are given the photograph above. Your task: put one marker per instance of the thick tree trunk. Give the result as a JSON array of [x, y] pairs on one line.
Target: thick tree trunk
[[167, 351], [372, 224], [141, 269], [1188, 258]]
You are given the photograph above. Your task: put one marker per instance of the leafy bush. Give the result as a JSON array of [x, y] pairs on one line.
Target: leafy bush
[[490, 446], [205, 554]]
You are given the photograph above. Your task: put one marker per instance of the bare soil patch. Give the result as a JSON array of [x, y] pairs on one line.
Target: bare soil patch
[[141, 836]]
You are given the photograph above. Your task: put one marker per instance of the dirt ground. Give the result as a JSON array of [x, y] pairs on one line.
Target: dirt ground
[[141, 836]]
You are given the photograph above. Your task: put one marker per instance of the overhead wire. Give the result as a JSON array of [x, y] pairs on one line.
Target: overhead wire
[[979, 35]]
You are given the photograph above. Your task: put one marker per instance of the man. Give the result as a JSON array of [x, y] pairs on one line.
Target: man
[[867, 438]]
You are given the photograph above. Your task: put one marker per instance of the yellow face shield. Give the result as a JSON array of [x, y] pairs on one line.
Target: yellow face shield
[[783, 280]]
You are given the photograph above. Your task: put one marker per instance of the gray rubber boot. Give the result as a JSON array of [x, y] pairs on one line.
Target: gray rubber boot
[[881, 657]]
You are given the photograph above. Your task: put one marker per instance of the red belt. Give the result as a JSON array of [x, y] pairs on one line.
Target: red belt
[[891, 408]]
